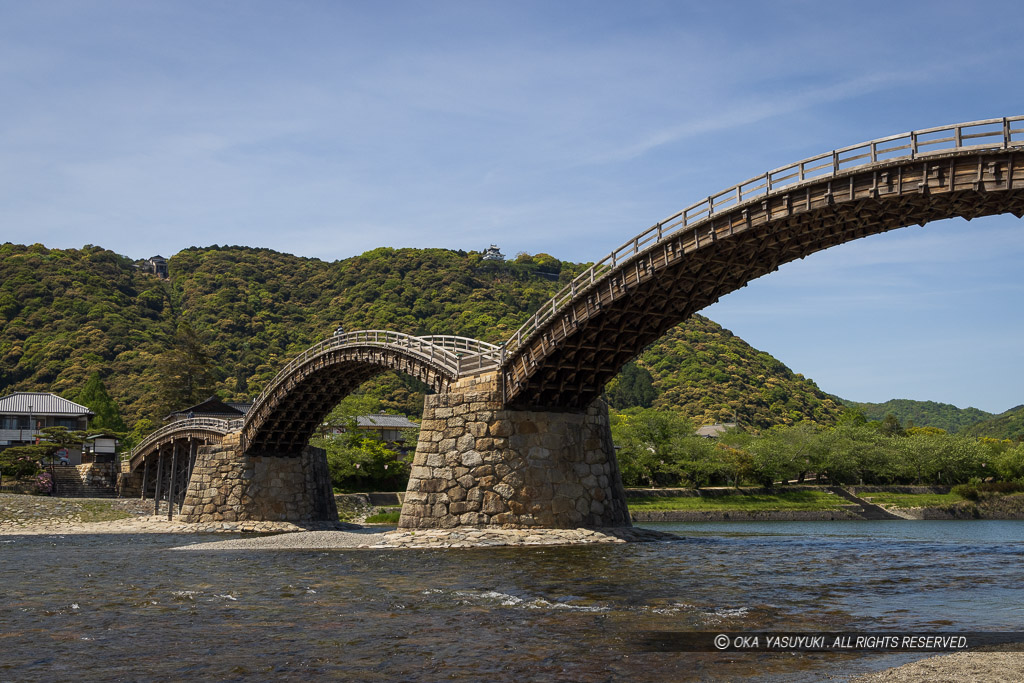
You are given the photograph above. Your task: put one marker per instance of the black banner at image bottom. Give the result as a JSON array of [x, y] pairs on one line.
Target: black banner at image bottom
[[810, 641]]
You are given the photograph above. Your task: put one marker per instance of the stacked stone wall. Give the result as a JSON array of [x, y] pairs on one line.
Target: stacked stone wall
[[98, 473], [229, 486], [129, 484], [478, 463]]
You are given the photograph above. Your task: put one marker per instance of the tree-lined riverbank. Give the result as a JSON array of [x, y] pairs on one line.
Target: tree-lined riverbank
[[808, 503]]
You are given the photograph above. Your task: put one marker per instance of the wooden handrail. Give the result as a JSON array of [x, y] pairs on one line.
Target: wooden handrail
[[994, 134]]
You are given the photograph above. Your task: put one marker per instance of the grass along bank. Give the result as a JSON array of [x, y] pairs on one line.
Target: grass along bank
[[982, 501], [741, 502], [912, 500]]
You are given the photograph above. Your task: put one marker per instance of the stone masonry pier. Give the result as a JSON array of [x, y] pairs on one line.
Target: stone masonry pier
[[230, 486], [480, 464]]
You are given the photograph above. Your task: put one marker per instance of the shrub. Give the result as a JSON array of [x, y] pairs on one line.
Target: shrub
[[44, 483], [978, 490]]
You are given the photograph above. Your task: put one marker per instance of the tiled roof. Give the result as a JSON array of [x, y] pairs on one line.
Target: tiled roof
[[212, 406], [42, 404], [715, 430], [386, 421], [243, 408]]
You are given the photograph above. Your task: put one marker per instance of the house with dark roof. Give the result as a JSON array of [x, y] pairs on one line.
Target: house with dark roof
[[157, 265], [211, 407], [24, 413], [391, 429], [100, 448], [714, 431]]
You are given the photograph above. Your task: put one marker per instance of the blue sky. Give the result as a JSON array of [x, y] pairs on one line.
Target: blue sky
[[325, 129]]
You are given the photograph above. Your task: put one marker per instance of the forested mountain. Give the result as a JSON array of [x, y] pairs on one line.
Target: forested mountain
[[1008, 425], [67, 313], [711, 375], [236, 314], [923, 413]]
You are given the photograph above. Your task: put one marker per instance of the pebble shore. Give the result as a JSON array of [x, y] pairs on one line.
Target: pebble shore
[[28, 515], [434, 538]]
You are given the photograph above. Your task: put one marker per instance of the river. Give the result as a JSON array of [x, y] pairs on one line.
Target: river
[[131, 608]]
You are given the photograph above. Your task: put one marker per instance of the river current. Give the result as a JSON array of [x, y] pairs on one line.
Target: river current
[[131, 607]]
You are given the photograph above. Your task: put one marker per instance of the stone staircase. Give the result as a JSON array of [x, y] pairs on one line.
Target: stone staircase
[[868, 510], [70, 485]]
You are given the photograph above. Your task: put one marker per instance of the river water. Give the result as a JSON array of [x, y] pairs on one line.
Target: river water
[[131, 607]]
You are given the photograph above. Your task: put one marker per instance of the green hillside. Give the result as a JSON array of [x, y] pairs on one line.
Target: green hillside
[[711, 375], [68, 313], [923, 413], [1008, 425]]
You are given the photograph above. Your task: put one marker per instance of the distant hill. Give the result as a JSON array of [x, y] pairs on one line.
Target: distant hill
[[713, 376], [923, 413], [1008, 425], [65, 314]]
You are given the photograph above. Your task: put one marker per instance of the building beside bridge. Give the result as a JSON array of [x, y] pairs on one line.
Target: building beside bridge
[[24, 413], [394, 430], [211, 407]]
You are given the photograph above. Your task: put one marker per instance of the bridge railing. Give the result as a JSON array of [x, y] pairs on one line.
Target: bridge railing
[[210, 424], [473, 356], [1002, 133]]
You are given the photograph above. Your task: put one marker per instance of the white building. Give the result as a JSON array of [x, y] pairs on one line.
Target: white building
[[23, 414]]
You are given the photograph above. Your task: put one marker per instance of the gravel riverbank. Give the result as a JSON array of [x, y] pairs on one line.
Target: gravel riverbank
[[39, 515], [959, 667]]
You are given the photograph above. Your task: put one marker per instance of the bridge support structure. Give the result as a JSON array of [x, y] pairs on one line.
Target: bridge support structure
[[229, 485], [479, 463]]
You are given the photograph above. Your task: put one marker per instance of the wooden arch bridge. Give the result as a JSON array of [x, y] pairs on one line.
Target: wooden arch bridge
[[565, 353]]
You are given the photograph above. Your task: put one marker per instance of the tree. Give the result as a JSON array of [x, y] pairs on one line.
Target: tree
[[21, 461], [653, 449], [94, 396], [363, 463], [186, 371], [633, 387], [139, 431], [60, 438], [786, 452], [356, 460], [732, 455], [890, 426], [855, 451], [1009, 465], [942, 458]]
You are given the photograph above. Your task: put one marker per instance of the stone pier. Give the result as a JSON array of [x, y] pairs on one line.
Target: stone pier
[[480, 464], [229, 486]]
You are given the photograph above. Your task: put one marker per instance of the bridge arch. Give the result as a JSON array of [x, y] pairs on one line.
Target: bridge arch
[[567, 351], [297, 400], [200, 429]]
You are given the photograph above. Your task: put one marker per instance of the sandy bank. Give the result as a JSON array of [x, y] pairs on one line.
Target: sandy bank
[[959, 667]]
